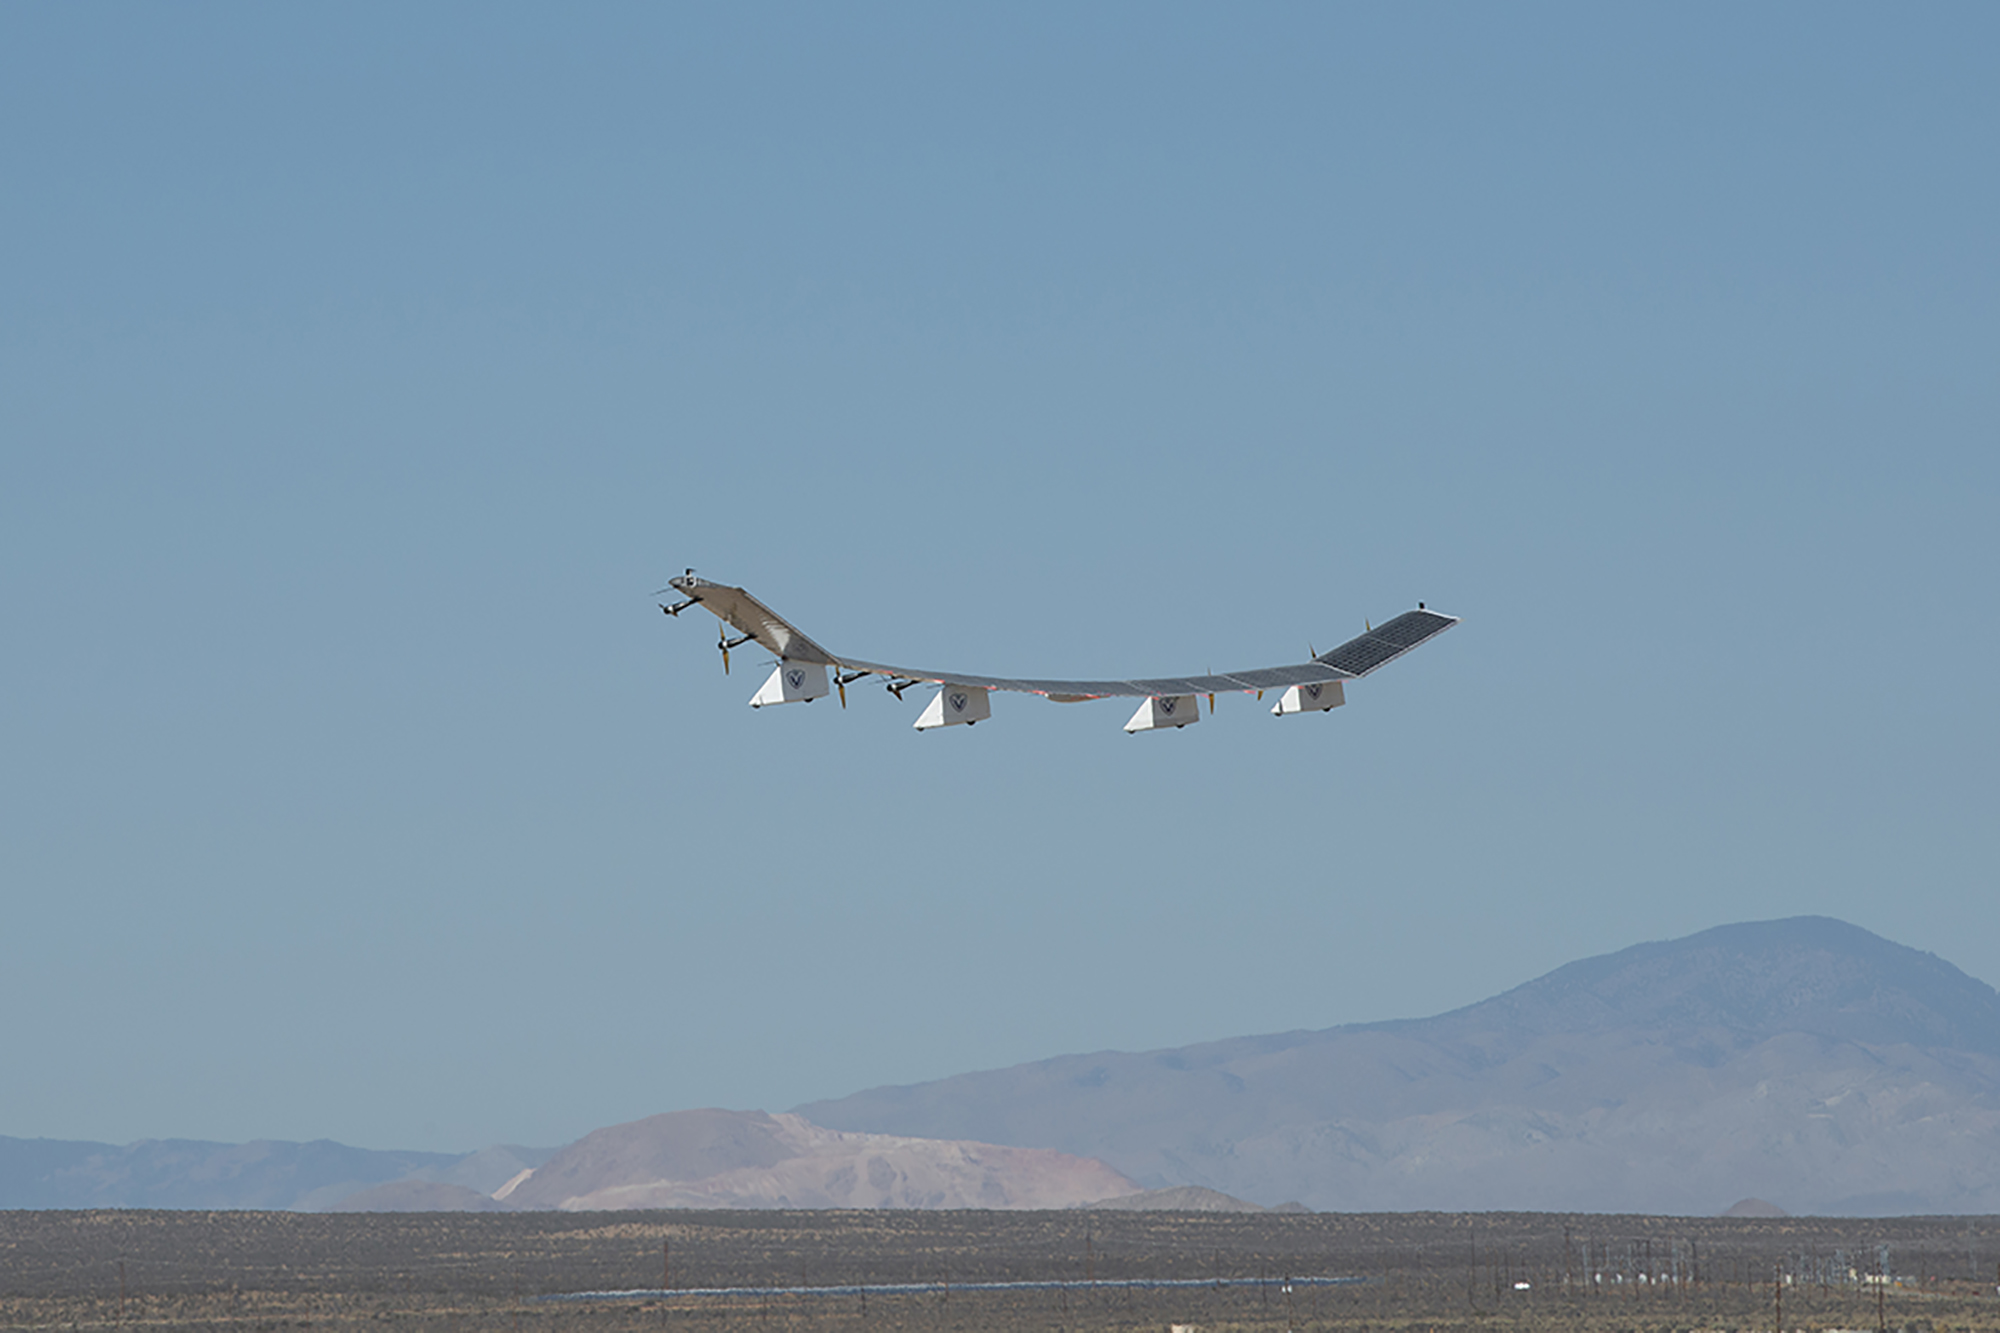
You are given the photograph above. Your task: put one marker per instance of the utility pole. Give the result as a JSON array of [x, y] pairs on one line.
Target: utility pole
[[1778, 1296]]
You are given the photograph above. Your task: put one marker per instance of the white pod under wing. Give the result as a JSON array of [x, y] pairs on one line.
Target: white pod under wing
[[1317, 697], [955, 704], [792, 682], [1166, 711]]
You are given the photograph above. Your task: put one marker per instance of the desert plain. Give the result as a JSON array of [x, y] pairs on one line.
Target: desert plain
[[1442, 1272]]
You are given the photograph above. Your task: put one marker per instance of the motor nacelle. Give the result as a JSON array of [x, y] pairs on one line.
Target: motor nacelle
[[1317, 697], [1163, 712], [792, 682], [954, 704]]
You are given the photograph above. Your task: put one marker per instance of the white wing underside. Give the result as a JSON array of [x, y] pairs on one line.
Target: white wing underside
[[1352, 660]]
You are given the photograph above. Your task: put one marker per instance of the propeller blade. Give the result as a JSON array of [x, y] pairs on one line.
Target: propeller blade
[[722, 642], [843, 692]]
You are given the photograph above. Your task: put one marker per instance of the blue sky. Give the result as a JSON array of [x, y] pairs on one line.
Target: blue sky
[[363, 368]]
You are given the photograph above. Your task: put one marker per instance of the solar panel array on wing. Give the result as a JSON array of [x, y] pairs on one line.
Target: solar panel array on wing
[[1273, 678], [1357, 657], [1263, 678], [1157, 687], [1354, 658], [1413, 627], [1089, 689], [1362, 654]]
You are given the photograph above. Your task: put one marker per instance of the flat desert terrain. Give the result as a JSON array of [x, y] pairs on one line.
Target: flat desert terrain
[[1452, 1273]]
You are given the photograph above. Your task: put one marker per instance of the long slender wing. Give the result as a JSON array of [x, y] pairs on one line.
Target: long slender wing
[[770, 630], [1350, 661]]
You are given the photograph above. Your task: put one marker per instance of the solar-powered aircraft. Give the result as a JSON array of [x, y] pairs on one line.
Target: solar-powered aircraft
[[1166, 703]]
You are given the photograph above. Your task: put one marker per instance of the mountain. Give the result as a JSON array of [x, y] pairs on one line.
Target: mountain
[[683, 1159], [185, 1173], [747, 1159], [1180, 1199], [489, 1171], [676, 1146], [1754, 1208], [1805, 1061], [417, 1196]]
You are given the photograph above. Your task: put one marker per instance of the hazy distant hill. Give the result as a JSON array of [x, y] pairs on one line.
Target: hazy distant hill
[[490, 1170], [183, 1173], [1803, 1061], [417, 1196], [1178, 1199], [683, 1159], [747, 1159], [676, 1146]]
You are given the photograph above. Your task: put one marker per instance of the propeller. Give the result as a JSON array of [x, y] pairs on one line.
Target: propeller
[[725, 643]]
